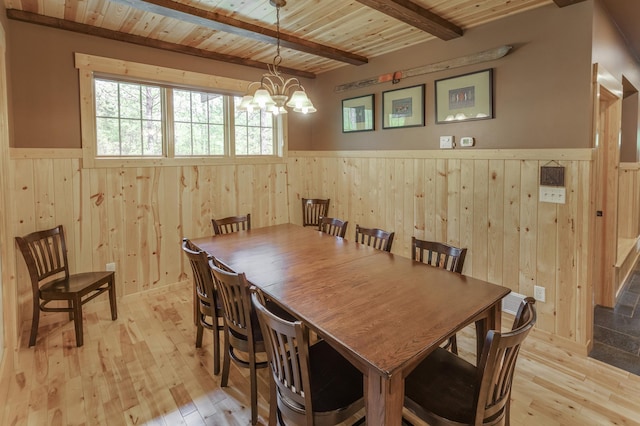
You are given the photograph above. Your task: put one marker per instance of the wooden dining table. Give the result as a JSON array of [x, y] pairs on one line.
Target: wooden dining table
[[384, 313]]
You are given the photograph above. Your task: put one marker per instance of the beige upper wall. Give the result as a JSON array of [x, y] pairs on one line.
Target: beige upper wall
[[610, 51], [44, 81], [542, 87]]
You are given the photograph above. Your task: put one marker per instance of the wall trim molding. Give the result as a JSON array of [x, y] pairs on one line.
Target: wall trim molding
[[39, 153], [574, 154], [629, 166]]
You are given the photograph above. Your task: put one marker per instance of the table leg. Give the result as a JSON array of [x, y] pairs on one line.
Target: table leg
[[492, 321], [384, 399]]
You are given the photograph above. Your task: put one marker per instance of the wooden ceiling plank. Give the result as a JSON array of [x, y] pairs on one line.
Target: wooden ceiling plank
[[417, 16], [34, 18], [219, 22]]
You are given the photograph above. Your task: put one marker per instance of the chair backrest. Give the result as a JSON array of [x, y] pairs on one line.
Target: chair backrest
[[313, 209], [333, 226], [233, 290], [231, 224], [497, 364], [288, 353], [438, 254], [202, 277], [45, 254], [374, 237]]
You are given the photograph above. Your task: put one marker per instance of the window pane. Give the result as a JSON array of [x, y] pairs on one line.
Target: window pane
[[106, 98], [253, 132], [216, 133], [130, 100], [131, 137], [241, 140], [151, 103], [108, 133], [128, 119], [152, 137], [181, 105], [195, 115], [182, 135]]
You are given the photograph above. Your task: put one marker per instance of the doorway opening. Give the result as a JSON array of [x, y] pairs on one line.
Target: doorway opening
[[616, 333]]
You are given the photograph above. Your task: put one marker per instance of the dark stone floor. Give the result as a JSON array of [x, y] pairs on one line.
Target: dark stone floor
[[616, 332]]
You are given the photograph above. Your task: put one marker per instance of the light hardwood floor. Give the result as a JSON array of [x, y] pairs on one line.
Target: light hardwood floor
[[144, 369]]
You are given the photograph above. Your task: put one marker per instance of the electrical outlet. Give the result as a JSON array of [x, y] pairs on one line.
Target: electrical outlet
[[539, 293], [111, 266]]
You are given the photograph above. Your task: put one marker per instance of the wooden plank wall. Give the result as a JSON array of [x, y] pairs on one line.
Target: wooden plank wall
[[136, 217], [628, 222], [485, 201], [629, 200]]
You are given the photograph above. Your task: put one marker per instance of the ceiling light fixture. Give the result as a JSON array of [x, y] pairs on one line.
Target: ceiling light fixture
[[272, 95]]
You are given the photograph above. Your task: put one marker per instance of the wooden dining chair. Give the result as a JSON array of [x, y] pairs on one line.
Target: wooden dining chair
[[312, 384], [374, 237], [442, 256], [242, 334], [207, 305], [438, 254], [231, 224], [444, 389], [333, 226], [45, 253], [313, 209]]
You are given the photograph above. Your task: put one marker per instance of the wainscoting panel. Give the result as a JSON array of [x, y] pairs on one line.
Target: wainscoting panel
[[489, 205], [137, 217], [485, 200]]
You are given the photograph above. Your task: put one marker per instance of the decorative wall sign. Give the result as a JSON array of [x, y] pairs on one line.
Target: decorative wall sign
[[358, 114], [465, 97], [403, 107]]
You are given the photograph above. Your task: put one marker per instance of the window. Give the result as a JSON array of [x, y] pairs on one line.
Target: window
[[181, 118]]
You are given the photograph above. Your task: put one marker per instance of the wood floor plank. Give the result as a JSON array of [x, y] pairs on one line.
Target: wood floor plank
[[144, 369]]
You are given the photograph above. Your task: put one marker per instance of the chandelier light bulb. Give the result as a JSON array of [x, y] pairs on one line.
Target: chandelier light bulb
[[274, 90]]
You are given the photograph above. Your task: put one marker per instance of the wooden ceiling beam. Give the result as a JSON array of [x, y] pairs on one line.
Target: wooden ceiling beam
[[563, 3], [416, 16], [218, 22], [63, 24]]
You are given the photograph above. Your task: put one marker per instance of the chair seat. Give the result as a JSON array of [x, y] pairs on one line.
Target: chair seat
[[445, 384], [334, 380], [81, 283]]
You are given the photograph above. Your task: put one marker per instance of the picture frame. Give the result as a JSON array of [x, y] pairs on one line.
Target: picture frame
[[403, 107], [465, 97], [358, 114]]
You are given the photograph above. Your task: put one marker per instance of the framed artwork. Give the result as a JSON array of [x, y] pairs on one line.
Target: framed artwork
[[465, 97], [357, 114], [403, 107]]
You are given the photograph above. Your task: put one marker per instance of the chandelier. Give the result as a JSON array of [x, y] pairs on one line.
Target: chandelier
[[273, 92]]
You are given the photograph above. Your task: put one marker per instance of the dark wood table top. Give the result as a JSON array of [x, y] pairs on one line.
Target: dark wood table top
[[383, 312]]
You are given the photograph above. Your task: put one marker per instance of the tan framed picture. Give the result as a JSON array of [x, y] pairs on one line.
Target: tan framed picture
[[465, 97], [403, 107], [358, 114]]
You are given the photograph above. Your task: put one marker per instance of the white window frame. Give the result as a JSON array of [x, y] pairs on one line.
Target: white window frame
[[89, 65]]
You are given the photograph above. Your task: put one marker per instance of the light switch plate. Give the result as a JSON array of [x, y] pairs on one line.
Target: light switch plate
[[553, 194], [446, 142]]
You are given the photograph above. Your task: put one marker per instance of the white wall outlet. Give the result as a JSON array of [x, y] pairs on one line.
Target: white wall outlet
[[446, 142], [467, 141], [553, 194], [539, 293], [111, 266]]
